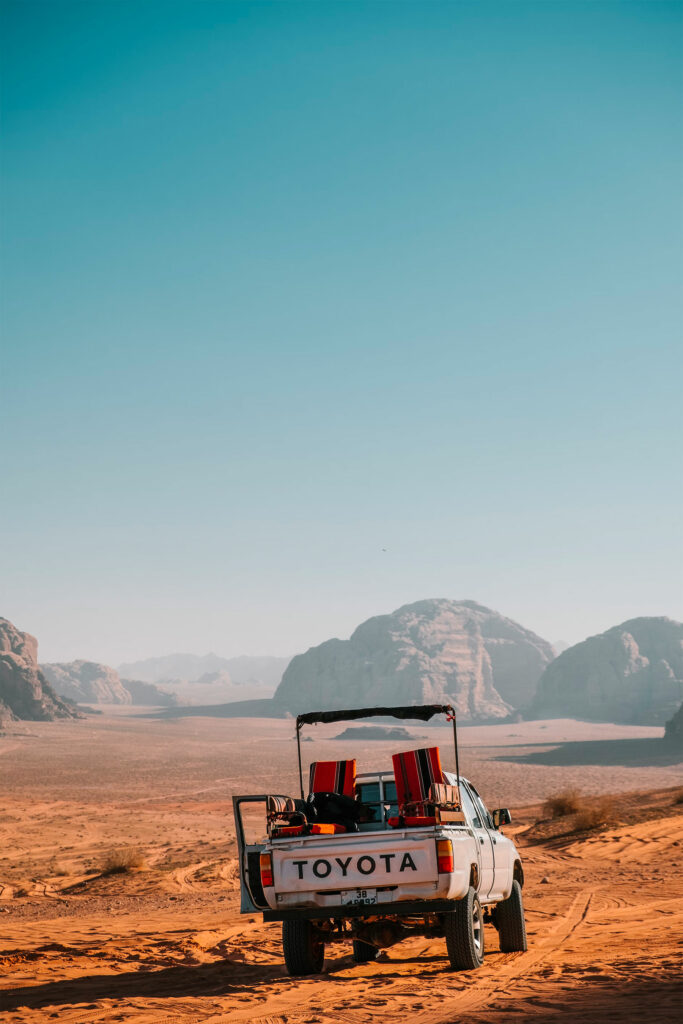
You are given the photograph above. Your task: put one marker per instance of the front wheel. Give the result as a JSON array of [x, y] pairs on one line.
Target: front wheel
[[510, 922], [303, 948], [464, 930]]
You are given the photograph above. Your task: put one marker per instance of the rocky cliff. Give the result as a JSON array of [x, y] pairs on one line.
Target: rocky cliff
[[432, 651], [632, 673], [89, 682], [24, 691]]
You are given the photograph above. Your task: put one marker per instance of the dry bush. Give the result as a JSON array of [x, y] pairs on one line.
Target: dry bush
[[58, 869], [678, 799], [594, 815], [568, 801], [122, 859]]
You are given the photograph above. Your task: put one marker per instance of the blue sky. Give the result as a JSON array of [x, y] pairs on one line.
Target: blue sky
[[287, 285]]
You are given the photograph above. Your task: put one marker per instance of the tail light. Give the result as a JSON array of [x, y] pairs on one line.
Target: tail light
[[266, 866], [444, 856]]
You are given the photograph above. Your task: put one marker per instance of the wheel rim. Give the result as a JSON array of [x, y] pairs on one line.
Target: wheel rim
[[477, 928]]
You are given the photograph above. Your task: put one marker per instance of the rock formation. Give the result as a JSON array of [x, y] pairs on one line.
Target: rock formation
[[632, 673], [89, 682], [24, 691], [673, 731], [148, 695], [432, 651], [6, 716]]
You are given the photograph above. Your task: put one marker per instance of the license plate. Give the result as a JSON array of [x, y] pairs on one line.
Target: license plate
[[359, 897]]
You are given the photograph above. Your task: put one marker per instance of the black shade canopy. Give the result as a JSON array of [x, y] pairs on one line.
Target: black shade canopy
[[422, 711]]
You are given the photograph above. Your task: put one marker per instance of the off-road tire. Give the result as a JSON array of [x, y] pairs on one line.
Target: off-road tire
[[464, 931], [510, 922], [363, 952], [304, 950]]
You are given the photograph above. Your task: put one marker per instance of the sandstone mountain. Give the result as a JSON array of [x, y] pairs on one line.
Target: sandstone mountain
[[436, 650], [632, 673], [89, 682], [24, 691], [263, 673]]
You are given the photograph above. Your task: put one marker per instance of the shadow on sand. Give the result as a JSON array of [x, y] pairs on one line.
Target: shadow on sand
[[655, 999], [624, 753], [217, 979]]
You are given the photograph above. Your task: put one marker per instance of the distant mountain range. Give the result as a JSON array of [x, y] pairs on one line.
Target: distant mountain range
[[432, 651], [262, 673]]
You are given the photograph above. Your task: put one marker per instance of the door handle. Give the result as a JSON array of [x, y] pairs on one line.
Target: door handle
[[493, 840], [481, 840]]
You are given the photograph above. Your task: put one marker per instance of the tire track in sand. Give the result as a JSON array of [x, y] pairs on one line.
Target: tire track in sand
[[515, 965], [378, 993]]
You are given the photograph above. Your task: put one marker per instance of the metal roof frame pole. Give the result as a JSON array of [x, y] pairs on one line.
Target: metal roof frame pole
[[298, 748], [457, 761]]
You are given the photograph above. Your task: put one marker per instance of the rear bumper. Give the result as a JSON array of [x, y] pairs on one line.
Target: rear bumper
[[402, 908]]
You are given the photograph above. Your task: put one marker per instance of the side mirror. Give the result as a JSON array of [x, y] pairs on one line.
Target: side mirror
[[501, 817]]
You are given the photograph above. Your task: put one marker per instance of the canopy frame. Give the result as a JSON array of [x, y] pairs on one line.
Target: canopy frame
[[422, 712]]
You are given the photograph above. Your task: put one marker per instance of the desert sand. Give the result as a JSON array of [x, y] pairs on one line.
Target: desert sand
[[165, 941]]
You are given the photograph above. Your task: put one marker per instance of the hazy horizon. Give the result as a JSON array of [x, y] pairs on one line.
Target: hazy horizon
[[118, 661], [314, 310]]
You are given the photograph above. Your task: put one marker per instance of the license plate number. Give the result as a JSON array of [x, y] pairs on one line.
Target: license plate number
[[359, 898]]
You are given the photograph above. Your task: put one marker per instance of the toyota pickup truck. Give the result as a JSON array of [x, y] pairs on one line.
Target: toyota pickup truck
[[378, 856]]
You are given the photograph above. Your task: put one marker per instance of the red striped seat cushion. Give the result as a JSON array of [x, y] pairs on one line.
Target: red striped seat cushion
[[333, 777], [415, 771]]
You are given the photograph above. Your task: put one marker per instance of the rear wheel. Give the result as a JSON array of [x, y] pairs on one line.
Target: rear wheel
[[464, 930], [363, 952], [303, 948], [510, 922]]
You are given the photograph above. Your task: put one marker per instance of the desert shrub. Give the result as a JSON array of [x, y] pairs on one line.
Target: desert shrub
[[122, 859], [568, 801], [594, 815], [678, 799]]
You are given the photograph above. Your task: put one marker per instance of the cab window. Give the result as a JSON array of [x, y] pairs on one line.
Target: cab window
[[470, 807], [486, 817], [378, 796]]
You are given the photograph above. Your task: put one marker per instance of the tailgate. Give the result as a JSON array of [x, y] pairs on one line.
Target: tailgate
[[369, 859]]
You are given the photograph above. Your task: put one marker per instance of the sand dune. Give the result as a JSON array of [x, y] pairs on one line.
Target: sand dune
[[165, 941]]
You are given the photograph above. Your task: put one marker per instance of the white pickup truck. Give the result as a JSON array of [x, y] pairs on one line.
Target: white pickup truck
[[439, 869]]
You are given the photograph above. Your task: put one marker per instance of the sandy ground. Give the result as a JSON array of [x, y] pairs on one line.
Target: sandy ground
[[165, 941]]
